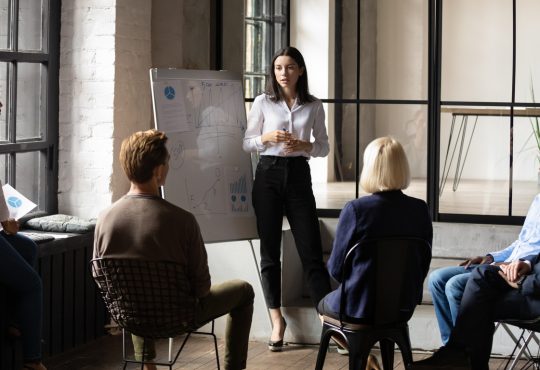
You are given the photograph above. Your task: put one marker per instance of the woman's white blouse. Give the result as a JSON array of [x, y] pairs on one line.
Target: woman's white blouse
[[301, 120]]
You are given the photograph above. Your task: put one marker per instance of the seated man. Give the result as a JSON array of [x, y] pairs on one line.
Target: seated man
[[491, 294], [143, 225], [446, 284]]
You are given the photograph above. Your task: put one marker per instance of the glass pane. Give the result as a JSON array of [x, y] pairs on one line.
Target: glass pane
[[3, 100], [280, 7], [333, 176], [393, 49], [345, 63], [408, 125], [257, 8], [257, 47], [30, 25], [474, 165], [3, 168], [29, 173], [477, 50], [4, 24], [254, 85], [527, 51], [30, 104], [526, 171], [280, 36]]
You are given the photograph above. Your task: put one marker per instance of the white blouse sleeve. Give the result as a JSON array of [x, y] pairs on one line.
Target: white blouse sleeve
[[253, 136], [4, 211], [320, 146]]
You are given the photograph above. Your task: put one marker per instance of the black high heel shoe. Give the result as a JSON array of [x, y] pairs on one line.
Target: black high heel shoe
[[277, 345]]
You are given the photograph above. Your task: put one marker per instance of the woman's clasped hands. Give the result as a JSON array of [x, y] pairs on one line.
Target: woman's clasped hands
[[291, 143]]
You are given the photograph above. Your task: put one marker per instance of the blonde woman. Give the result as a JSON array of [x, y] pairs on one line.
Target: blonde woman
[[386, 212]]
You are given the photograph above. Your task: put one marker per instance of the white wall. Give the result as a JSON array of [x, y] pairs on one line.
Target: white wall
[[477, 50], [86, 117], [312, 32], [402, 73]]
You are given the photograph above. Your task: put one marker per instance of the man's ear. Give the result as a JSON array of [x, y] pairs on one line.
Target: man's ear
[[158, 171]]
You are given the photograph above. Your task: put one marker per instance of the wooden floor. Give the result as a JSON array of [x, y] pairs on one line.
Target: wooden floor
[[106, 354], [480, 197]]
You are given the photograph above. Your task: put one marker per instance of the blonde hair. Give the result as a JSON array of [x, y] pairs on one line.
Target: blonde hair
[[385, 166], [141, 152]]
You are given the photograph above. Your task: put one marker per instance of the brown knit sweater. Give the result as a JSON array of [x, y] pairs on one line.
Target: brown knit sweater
[[148, 227]]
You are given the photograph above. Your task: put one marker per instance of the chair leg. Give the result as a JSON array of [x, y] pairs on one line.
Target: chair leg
[[215, 345], [359, 348], [143, 352], [323, 348], [404, 343], [387, 353], [124, 349]]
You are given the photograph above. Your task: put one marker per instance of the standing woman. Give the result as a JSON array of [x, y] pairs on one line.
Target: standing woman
[[280, 125]]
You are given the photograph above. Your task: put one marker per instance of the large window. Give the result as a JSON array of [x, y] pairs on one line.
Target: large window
[[265, 33], [29, 42], [453, 80]]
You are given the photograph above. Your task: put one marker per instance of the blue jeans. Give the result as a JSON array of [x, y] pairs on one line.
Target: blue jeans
[[18, 255], [446, 286]]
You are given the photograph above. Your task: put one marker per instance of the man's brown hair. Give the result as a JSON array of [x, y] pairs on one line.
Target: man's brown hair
[[141, 153]]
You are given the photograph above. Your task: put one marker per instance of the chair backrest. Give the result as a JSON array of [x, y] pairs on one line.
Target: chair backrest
[[397, 271], [148, 298]]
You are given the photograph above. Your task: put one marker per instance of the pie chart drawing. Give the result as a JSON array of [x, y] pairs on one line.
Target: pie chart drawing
[[169, 92], [14, 202]]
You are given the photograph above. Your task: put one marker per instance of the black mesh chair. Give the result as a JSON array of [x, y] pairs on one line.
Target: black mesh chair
[[395, 261], [522, 349], [151, 299]]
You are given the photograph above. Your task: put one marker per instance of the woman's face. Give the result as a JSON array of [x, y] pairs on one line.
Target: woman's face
[[287, 72]]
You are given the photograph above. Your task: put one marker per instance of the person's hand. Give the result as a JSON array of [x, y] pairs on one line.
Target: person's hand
[[295, 145], [478, 260], [10, 226], [515, 270], [277, 136]]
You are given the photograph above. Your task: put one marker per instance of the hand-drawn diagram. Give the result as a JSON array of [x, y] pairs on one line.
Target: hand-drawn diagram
[[238, 193], [206, 196], [217, 114], [203, 114], [177, 152]]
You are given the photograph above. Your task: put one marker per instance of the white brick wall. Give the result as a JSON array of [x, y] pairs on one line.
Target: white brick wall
[[87, 80], [105, 89], [132, 100], [104, 96]]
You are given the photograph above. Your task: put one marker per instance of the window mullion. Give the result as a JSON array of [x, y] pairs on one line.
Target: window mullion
[[14, 26]]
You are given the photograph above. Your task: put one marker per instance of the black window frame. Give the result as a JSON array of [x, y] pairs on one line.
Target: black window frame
[[433, 104], [48, 59]]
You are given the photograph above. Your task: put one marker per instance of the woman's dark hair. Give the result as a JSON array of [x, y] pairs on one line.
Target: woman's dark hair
[[302, 90]]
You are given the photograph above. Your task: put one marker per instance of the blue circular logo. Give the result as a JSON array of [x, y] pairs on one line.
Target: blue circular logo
[[14, 202], [169, 92]]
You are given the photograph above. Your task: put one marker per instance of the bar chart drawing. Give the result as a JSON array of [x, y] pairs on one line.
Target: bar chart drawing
[[239, 195]]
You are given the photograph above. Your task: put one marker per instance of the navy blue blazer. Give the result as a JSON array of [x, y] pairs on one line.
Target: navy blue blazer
[[384, 214]]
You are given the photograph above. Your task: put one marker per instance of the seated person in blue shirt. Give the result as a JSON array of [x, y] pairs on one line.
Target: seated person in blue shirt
[[492, 293], [386, 212], [448, 283]]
